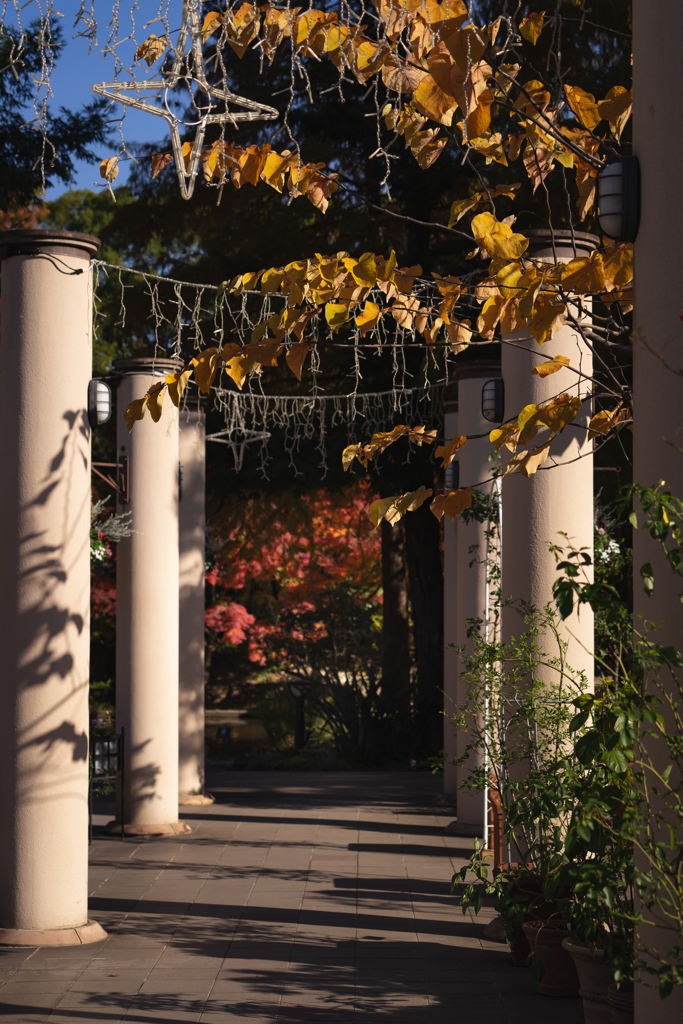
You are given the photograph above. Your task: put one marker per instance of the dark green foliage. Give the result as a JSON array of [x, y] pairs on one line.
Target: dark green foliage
[[70, 135]]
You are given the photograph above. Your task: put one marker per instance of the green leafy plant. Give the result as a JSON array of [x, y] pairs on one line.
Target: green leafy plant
[[629, 810]]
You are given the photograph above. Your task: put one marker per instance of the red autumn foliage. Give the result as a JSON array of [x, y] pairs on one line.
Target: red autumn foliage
[[102, 595], [281, 557]]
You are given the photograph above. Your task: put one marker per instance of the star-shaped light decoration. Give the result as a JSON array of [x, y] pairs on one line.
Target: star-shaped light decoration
[[130, 94]]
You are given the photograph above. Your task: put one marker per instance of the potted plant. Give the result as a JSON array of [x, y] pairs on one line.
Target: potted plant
[[553, 966], [595, 972], [620, 1000], [520, 704]]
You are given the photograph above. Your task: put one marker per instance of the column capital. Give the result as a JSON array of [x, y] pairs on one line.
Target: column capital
[[158, 366], [541, 243], [35, 241]]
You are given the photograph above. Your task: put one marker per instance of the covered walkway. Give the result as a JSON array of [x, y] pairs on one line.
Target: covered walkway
[[297, 897]]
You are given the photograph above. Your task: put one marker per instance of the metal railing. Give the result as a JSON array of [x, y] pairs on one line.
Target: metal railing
[[106, 767]]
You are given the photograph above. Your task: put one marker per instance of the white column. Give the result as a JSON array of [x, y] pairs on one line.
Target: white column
[[657, 384], [475, 468], [45, 587], [147, 610], [559, 497], [450, 619], [192, 515]]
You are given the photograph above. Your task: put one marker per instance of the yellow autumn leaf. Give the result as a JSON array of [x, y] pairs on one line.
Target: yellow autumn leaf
[[155, 398], [251, 279], [459, 336], [206, 365], [212, 22], [552, 366], [560, 411], [404, 279], [461, 206], [368, 318], [616, 108], [605, 420], [394, 508], [530, 27], [412, 501], [547, 321], [177, 382], [584, 275], [527, 463], [264, 354], [336, 314], [387, 271], [491, 147], [159, 161], [446, 452], [405, 310], [618, 265], [349, 454], [364, 270], [109, 168], [135, 411], [509, 435], [434, 102], [151, 49], [583, 105], [385, 508], [530, 418], [497, 238], [452, 504]]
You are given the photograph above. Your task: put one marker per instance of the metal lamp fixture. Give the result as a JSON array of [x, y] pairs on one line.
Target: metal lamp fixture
[[619, 199], [452, 476], [493, 400], [99, 402]]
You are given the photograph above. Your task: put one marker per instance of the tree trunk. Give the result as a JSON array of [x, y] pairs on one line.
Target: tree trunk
[[395, 636], [425, 573]]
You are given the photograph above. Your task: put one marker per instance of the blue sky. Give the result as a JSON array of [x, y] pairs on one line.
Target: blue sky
[[74, 75]]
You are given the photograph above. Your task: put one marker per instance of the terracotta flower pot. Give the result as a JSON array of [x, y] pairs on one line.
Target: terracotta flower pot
[[595, 975], [559, 973], [530, 887], [620, 999]]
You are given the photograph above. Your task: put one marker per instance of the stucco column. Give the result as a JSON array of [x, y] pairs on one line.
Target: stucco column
[[45, 587], [147, 609], [450, 620], [559, 497], [192, 515], [658, 351], [471, 558]]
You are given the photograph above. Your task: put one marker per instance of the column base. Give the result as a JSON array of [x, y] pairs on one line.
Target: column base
[[90, 932], [195, 799], [173, 828]]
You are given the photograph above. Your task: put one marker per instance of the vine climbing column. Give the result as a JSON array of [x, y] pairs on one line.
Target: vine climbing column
[[45, 588], [192, 516], [147, 610]]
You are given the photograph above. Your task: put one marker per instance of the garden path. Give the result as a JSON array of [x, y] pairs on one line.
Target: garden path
[[297, 898]]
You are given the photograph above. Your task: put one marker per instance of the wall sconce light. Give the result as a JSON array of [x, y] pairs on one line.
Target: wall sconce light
[[452, 476], [619, 199], [493, 400], [99, 402]]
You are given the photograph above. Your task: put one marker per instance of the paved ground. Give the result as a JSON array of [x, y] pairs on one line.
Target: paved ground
[[298, 897]]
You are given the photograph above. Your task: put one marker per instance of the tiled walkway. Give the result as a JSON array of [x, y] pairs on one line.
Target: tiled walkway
[[298, 897]]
